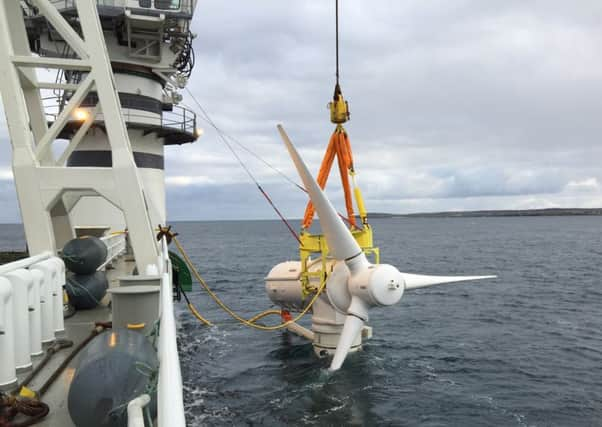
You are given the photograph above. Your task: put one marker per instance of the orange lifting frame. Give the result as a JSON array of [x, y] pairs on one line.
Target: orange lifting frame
[[340, 146]]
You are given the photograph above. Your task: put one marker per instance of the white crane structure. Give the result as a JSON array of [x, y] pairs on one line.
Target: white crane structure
[[88, 140], [90, 94]]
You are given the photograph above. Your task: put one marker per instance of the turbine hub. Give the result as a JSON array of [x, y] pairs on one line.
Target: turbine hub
[[378, 285]]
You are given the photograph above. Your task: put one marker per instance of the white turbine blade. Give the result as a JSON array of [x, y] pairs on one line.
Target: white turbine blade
[[352, 327], [415, 281], [340, 241]]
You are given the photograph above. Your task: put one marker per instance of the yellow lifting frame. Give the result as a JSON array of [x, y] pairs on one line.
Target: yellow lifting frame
[[312, 244]]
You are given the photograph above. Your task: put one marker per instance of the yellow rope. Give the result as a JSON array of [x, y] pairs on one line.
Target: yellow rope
[[196, 314], [250, 323], [265, 314]]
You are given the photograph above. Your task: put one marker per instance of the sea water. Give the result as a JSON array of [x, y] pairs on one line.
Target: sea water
[[521, 350]]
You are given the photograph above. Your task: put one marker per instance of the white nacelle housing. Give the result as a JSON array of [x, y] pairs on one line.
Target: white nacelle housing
[[283, 285], [284, 288]]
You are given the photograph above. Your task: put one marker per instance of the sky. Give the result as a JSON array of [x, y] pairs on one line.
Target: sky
[[455, 105]]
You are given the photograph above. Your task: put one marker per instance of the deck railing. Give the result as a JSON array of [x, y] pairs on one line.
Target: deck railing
[[31, 310], [170, 400], [32, 288], [158, 5], [179, 118], [116, 246]]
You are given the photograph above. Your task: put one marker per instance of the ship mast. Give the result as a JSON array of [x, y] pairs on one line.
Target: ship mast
[[114, 99]]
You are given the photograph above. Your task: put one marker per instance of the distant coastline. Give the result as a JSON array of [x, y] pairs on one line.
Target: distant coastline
[[495, 213], [445, 214]]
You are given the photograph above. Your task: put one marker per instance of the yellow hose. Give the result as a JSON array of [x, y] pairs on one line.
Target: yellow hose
[[250, 323]]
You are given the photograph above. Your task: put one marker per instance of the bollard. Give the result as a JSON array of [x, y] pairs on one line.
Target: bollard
[[48, 269], [57, 293], [22, 283], [35, 314], [8, 373]]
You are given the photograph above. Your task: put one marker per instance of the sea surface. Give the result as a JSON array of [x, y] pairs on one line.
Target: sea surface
[[521, 350]]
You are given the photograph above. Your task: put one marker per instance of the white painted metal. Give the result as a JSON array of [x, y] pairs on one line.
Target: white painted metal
[[131, 198], [329, 313], [43, 145], [57, 295], [135, 408], [116, 246], [48, 191], [416, 281], [41, 185], [368, 285], [35, 314], [283, 286], [53, 63], [301, 331], [8, 373], [351, 331], [170, 404], [153, 179], [22, 283], [77, 138], [185, 6], [48, 268], [13, 42], [24, 263], [62, 27], [39, 278], [341, 244]]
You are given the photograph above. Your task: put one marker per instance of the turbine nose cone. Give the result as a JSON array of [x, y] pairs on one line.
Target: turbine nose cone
[[386, 285]]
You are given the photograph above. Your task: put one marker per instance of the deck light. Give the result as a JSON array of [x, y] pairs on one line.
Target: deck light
[[80, 114]]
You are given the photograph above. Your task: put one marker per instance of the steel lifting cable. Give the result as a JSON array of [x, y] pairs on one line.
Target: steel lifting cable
[[246, 169], [248, 150], [224, 135], [210, 122], [250, 323], [336, 25]]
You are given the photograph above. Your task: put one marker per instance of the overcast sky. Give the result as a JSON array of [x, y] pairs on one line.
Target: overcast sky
[[455, 105]]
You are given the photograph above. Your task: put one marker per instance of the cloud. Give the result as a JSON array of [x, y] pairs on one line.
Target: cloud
[[454, 105], [589, 185], [6, 174], [183, 180]]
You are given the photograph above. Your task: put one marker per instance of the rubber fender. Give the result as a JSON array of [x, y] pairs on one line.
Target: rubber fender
[[85, 291], [115, 367], [84, 254]]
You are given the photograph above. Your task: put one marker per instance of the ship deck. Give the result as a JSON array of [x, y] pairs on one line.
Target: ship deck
[[77, 329]]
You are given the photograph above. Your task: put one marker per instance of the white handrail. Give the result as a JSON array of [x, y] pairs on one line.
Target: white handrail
[[170, 399], [135, 408], [24, 263], [25, 322], [116, 246]]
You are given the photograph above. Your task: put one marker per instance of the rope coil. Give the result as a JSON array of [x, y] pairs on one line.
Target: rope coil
[[11, 407]]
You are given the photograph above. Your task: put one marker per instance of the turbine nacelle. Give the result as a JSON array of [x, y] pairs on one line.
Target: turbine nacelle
[[355, 285], [376, 285]]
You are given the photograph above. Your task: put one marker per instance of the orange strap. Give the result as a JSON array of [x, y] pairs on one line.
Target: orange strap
[[322, 178], [340, 146]]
